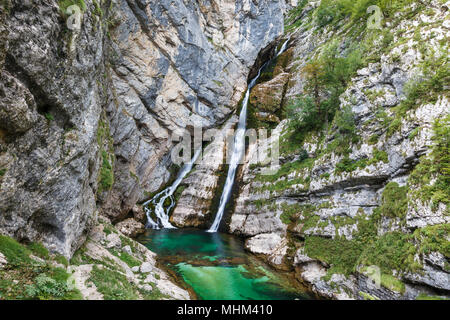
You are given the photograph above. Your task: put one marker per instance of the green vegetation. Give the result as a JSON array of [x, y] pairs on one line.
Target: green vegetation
[[15, 253], [112, 284], [25, 278], [293, 21], [127, 258], [329, 73], [349, 165], [65, 4], [392, 283], [430, 85], [104, 140], [98, 9], [61, 260], [115, 286], [424, 296], [433, 239], [367, 296], [49, 117], [394, 202], [331, 12], [52, 286], [106, 173], [435, 167], [39, 250], [392, 251], [340, 253]]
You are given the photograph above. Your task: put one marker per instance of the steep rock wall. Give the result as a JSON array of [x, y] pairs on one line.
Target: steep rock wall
[[87, 116], [328, 208], [201, 54]]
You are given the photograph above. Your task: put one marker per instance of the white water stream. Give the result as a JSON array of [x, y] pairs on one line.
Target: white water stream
[[238, 148], [159, 207], [158, 201]]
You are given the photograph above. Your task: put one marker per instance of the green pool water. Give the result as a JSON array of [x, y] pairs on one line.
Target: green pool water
[[216, 266]]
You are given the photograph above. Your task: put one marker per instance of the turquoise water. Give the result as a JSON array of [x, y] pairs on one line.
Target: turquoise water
[[216, 266]]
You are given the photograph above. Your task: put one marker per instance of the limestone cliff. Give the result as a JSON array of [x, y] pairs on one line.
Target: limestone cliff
[[367, 190], [88, 113]]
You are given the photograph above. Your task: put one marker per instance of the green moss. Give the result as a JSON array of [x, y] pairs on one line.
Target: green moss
[[293, 20], [98, 9], [414, 133], [379, 156], [64, 4], [288, 168], [392, 283], [392, 251], [179, 192], [128, 259], [39, 250], [62, 260], [49, 117], [430, 179], [424, 296], [342, 254], [374, 139], [427, 89], [105, 142], [394, 202], [15, 253], [433, 239], [347, 165], [106, 173], [367, 296], [218, 83], [112, 284], [24, 279]]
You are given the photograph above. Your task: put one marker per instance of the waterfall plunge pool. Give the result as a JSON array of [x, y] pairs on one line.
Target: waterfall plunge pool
[[216, 267]]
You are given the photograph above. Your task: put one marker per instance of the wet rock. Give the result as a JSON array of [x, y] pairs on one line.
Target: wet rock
[[177, 65], [194, 205], [268, 96]]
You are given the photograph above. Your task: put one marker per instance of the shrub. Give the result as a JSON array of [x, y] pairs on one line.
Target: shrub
[[106, 173], [394, 202], [45, 287]]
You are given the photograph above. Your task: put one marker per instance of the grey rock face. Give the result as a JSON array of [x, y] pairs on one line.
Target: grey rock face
[[194, 206], [334, 203], [176, 65], [50, 103], [70, 98]]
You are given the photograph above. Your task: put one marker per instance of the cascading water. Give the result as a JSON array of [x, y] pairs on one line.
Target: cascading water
[[158, 201], [238, 148]]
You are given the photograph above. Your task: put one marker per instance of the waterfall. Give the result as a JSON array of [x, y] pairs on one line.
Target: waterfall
[[238, 148], [162, 213]]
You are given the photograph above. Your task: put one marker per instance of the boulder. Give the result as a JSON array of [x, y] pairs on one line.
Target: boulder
[[130, 227]]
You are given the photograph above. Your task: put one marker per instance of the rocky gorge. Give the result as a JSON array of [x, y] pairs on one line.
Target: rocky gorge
[[90, 117]]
